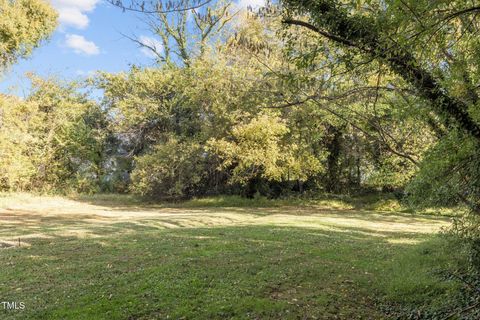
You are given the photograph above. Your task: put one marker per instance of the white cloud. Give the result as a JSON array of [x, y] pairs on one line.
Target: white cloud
[[73, 12], [152, 43], [81, 45], [254, 4], [83, 73]]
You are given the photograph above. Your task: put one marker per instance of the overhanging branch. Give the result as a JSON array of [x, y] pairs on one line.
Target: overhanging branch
[[317, 30], [140, 7], [362, 33]]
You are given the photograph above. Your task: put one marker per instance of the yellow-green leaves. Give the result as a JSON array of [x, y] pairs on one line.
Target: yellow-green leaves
[[49, 141], [260, 148], [171, 169], [23, 25]]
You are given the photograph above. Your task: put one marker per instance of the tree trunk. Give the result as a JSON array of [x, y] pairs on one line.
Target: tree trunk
[[361, 33], [334, 148]]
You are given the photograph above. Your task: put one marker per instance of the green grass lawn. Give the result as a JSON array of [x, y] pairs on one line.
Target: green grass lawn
[[80, 259]]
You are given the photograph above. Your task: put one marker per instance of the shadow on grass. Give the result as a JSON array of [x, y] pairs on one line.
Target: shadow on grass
[[85, 221], [380, 202], [256, 271], [344, 205]]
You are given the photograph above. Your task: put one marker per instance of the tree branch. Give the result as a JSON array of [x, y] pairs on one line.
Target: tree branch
[[351, 30], [317, 30], [135, 7]]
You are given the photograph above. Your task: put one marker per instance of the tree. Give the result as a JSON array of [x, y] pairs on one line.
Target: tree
[[182, 35], [170, 170], [52, 140], [24, 24], [261, 149], [244, 73], [371, 35], [159, 6], [432, 56]]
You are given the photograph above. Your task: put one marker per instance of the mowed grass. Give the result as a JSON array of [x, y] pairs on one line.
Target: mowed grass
[[91, 259]]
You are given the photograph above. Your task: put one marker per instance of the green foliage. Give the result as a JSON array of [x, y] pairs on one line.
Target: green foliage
[[153, 106], [50, 141], [23, 25], [259, 149], [449, 174], [245, 111], [172, 169], [229, 132]]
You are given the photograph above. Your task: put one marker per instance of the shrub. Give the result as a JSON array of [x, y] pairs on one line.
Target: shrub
[[171, 170]]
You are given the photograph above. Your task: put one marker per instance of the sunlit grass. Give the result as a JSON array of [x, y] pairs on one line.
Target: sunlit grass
[[370, 202], [106, 258]]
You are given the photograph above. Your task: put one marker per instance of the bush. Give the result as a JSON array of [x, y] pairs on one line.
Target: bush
[[171, 170], [449, 175]]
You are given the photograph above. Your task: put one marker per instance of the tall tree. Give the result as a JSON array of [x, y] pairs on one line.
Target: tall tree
[[432, 48], [370, 34]]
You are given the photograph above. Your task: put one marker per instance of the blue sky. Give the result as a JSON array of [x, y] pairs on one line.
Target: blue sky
[[89, 38]]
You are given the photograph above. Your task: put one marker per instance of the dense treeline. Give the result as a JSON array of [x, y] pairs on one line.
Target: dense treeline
[[244, 111], [303, 97]]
